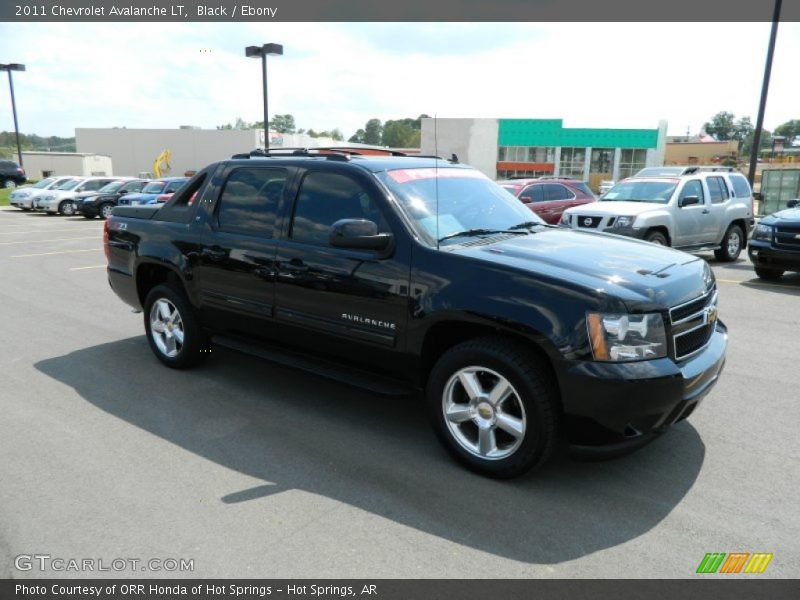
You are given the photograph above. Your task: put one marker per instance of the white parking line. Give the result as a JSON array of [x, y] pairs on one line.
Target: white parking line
[[84, 268], [59, 252], [88, 237], [77, 228]]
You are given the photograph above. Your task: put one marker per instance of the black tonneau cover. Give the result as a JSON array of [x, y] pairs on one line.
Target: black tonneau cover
[[135, 212]]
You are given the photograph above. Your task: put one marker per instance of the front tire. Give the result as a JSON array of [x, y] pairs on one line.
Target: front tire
[[106, 210], [494, 407], [769, 274], [67, 208], [656, 237], [732, 244], [172, 329]]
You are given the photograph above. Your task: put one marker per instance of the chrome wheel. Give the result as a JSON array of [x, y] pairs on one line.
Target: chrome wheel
[[106, 210], [484, 413], [734, 243], [68, 208], [166, 327]]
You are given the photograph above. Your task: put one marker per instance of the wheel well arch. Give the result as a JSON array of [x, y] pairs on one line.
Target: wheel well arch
[[149, 275], [442, 336], [662, 229], [742, 224]]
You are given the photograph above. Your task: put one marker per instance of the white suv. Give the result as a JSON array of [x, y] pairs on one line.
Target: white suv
[[61, 199], [698, 211]]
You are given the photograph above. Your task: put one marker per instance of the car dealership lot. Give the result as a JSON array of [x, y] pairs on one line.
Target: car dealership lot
[[251, 469]]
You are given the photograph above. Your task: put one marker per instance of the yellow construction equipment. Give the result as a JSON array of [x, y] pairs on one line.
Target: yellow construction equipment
[[161, 165]]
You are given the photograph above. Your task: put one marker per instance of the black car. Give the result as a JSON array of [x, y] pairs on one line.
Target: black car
[[401, 274], [103, 201], [775, 247], [11, 174]]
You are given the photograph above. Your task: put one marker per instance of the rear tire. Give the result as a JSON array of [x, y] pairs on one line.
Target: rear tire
[[769, 274], [656, 237], [494, 406], [172, 328], [732, 244]]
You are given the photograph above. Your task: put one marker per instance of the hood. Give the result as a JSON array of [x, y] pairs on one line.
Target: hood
[[139, 196], [86, 194], [611, 207], [778, 218], [643, 275]]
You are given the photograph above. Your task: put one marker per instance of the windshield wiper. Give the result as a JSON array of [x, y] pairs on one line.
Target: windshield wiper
[[476, 232], [526, 225]]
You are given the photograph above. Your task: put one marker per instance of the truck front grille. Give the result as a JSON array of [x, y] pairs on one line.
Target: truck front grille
[[693, 324], [787, 236]]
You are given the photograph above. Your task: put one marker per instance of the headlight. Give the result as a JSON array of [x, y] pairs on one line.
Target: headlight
[[763, 232], [624, 221], [622, 337], [565, 219]]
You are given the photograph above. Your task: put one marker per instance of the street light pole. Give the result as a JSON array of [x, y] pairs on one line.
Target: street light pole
[[8, 69], [776, 15], [262, 51]]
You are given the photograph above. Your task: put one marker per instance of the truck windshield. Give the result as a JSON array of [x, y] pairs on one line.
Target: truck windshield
[[640, 191], [463, 199]]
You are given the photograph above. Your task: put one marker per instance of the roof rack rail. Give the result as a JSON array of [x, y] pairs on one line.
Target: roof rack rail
[[284, 152]]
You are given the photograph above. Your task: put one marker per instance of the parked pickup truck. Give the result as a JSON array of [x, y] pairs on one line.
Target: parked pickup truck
[[400, 274]]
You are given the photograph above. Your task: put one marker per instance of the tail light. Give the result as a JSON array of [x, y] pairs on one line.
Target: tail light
[[106, 248]]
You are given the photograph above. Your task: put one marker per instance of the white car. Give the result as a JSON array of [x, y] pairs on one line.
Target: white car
[[24, 197], [61, 199]]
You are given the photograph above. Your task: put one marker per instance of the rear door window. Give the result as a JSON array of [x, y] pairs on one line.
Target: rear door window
[[717, 190], [250, 199], [555, 191]]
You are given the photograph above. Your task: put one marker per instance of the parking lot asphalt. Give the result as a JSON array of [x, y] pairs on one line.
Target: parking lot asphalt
[[255, 470]]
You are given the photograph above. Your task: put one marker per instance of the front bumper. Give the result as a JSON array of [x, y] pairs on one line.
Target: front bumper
[[764, 254], [20, 202], [613, 408], [87, 208]]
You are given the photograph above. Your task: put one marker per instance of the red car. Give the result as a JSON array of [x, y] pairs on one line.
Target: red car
[[548, 197]]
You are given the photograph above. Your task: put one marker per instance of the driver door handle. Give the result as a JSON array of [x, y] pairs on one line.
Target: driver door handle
[[706, 211]]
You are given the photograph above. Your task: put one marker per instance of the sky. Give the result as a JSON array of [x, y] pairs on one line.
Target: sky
[[339, 75]]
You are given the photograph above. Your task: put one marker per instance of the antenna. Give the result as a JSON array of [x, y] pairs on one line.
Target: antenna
[[436, 175]]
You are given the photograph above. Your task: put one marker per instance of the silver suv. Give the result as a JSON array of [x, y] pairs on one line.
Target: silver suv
[[697, 211]]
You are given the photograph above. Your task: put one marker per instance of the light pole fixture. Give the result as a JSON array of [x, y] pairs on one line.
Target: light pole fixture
[[8, 68], [262, 51]]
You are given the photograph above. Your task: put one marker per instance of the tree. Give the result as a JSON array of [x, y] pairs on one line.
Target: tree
[[747, 143], [283, 124], [397, 134], [721, 126], [742, 128], [358, 137], [790, 129], [373, 132], [337, 135]]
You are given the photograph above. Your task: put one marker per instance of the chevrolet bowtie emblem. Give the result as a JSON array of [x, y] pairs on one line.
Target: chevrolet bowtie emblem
[[711, 314]]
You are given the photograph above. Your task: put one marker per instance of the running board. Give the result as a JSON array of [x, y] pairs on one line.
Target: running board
[[384, 386]]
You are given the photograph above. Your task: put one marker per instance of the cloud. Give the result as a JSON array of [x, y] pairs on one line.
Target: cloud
[[340, 75]]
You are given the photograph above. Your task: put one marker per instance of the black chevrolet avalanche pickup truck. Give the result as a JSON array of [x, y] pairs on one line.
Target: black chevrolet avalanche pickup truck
[[404, 273]]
